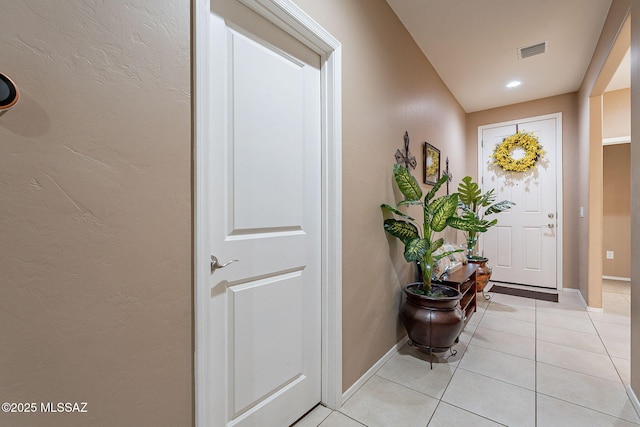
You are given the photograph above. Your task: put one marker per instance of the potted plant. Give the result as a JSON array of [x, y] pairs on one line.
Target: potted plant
[[475, 206], [431, 312]]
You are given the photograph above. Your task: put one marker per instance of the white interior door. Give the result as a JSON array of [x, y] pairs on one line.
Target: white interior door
[[523, 247], [265, 205]]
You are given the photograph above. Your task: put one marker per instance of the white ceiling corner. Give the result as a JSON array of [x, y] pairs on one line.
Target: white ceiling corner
[[473, 45]]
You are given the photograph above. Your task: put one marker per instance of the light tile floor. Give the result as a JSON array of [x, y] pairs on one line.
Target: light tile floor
[[519, 362]]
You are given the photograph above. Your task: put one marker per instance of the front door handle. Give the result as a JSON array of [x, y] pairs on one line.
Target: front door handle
[[216, 265]]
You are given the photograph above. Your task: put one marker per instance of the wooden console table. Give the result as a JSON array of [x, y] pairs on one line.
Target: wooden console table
[[464, 280]]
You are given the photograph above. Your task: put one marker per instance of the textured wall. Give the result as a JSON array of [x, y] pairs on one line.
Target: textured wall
[[388, 87], [95, 212]]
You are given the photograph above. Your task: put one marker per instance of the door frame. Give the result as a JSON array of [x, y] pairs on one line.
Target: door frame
[[559, 205], [291, 19]]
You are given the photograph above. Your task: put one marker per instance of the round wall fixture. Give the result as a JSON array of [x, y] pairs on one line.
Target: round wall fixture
[[9, 93]]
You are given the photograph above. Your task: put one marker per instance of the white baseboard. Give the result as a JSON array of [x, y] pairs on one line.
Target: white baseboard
[[372, 371], [634, 399], [621, 279], [584, 303]]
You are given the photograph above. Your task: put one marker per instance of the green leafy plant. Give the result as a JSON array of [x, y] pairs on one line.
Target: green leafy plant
[[419, 240], [475, 206]]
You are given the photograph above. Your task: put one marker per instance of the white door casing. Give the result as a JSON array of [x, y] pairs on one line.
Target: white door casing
[[526, 245], [267, 327]]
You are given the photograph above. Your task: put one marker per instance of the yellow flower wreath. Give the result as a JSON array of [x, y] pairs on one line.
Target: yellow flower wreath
[[503, 152]]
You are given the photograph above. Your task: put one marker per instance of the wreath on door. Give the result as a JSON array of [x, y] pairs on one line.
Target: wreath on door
[[518, 152]]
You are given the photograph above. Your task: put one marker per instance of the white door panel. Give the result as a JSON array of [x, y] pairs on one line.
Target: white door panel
[[522, 248], [267, 153], [265, 363], [265, 204], [503, 247]]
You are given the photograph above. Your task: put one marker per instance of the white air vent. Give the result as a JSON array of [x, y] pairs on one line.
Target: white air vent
[[529, 51]]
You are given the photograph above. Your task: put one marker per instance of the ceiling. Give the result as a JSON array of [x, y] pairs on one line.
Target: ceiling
[[622, 78], [473, 45]]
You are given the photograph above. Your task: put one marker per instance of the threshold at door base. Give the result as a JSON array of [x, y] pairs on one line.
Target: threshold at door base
[[533, 292]]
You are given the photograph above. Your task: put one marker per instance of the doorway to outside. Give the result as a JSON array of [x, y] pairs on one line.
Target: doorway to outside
[[525, 248], [267, 194]]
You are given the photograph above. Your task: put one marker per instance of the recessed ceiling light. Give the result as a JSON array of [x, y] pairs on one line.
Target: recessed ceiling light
[[514, 83]]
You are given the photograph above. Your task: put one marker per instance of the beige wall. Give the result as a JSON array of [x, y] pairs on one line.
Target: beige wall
[[616, 117], [594, 205], [616, 122], [95, 183], [388, 87], [603, 64], [567, 105], [635, 199], [611, 48], [96, 286], [617, 210]]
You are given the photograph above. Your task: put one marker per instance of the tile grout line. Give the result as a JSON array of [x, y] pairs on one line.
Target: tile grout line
[[456, 367], [460, 361], [351, 418], [577, 348], [608, 353], [586, 407], [478, 415], [537, 310], [448, 383], [569, 402]]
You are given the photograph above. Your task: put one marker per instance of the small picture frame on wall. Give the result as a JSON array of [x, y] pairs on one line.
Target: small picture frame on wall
[[431, 166]]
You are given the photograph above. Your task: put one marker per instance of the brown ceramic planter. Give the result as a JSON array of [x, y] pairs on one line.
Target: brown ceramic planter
[[432, 323], [483, 274]]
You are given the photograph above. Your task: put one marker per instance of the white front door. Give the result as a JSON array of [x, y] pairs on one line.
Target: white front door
[[264, 198], [523, 247]]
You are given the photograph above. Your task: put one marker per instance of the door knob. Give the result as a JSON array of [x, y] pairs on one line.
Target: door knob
[[550, 215], [216, 265], [550, 225]]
